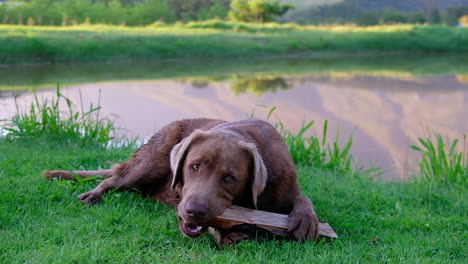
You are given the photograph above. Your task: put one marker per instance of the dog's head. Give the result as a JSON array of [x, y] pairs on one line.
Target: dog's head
[[210, 170]]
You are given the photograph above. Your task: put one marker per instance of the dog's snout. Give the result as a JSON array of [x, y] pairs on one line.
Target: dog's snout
[[196, 209]]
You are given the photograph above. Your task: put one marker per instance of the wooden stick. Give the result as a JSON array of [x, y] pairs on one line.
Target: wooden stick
[[273, 222]]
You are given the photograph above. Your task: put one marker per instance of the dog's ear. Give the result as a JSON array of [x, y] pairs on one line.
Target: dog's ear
[[259, 172], [178, 154]]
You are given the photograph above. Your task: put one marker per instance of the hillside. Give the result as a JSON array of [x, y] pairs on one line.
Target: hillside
[[402, 5], [338, 11], [299, 4]]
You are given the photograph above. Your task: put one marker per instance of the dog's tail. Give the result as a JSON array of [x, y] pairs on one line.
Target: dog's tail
[[70, 175]]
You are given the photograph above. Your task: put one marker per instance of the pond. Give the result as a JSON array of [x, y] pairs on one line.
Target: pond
[[385, 102]]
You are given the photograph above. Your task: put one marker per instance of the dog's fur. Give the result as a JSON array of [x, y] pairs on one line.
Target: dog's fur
[[204, 165]]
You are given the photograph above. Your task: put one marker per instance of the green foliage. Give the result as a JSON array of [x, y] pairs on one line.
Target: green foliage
[[312, 151], [45, 120], [368, 18], [433, 16], [393, 16], [442, 162], [417, 18], [452, 15], [189, 10], [3, 14], [217, 10], [150, 11], [71, 12], [257, 11]]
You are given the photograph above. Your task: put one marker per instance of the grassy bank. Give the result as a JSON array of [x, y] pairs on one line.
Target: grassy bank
[[23, 44], [43, 222]]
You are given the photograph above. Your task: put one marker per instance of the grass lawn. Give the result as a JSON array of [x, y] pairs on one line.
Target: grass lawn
[[85, 43], [43, 222]]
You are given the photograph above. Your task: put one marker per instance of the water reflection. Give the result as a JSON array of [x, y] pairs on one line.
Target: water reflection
[[393, 65], [259, 86]]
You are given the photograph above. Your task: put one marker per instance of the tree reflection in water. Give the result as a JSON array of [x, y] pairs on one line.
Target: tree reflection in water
[[259, 85]]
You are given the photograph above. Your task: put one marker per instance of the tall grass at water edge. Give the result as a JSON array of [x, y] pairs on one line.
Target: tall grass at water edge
[[45, 120], [310, 150], [442, 161]]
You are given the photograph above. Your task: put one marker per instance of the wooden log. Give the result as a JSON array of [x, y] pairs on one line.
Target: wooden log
[[272, 222]]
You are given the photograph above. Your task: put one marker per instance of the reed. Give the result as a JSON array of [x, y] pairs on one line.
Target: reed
[[45, 119], [312, 151], [442, 161]]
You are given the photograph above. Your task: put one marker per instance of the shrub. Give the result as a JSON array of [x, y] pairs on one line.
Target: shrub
[[368, 18], [417, 18], [392, 16], [258, 11], [214, 11], [433, 16], [150, 11]]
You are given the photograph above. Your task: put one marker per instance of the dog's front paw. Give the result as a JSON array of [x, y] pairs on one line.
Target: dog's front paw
[[90, 198], [303, 225]]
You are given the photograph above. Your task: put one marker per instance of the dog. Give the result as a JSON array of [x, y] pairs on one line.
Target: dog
[[202, 166]]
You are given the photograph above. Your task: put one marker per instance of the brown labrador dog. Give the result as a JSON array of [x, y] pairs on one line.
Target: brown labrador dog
[[203, 166]]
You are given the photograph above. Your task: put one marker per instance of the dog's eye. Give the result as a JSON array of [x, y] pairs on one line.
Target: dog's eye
[[195, 167], [229, 179]]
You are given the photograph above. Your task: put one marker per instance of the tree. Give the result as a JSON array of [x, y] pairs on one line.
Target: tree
[[258, 11], [368, 19], [150, 11], [417, 18], [190, 9], [433, 16], [452, 14], [391, 16], [217, 10]]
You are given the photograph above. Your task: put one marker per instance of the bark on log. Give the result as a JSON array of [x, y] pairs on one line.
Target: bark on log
[[272, 222]]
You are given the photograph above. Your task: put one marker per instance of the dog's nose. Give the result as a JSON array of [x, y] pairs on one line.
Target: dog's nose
[[196, 209]]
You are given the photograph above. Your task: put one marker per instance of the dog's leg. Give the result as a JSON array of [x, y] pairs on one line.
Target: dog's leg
[[93, 196], [303, 222], [67, 175], [125, 177]]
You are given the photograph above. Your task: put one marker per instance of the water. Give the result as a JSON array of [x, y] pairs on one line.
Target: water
[[385, 102]]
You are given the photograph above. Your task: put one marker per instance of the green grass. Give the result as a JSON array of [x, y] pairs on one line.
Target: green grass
[[23, 44], [45, 120], [442, 161], [319, 153], [43, 222]]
